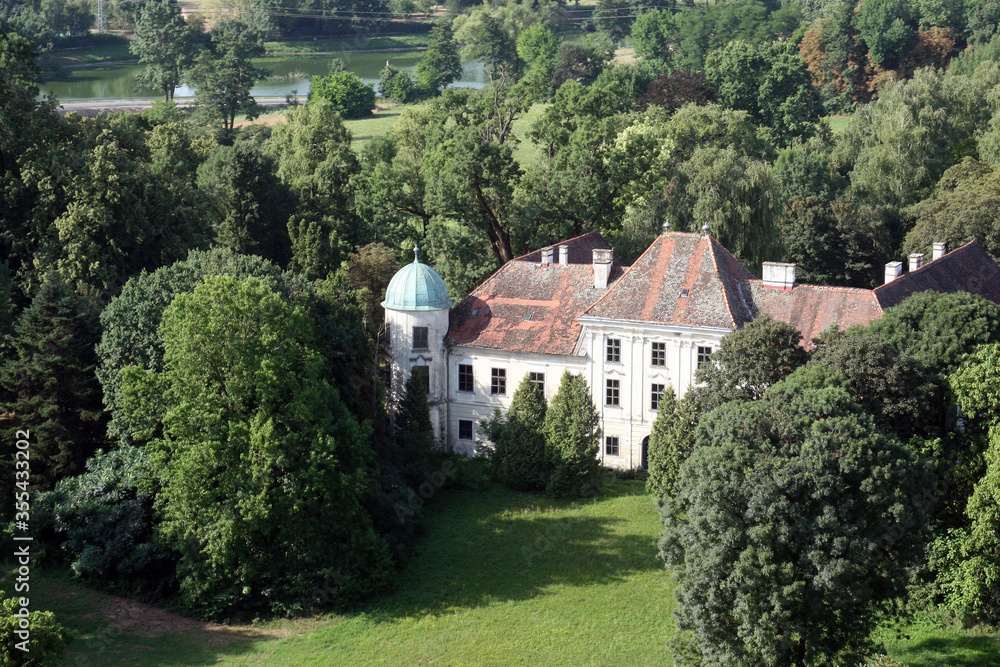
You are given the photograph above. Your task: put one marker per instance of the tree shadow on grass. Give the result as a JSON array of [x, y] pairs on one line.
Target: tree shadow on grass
[[501, 546], [981, 651]]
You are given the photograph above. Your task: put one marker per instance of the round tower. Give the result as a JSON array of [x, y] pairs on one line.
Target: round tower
[[416, 319]]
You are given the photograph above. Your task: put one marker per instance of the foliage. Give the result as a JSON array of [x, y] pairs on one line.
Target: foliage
[[938, 330], [163, 41], [396, 85], [653, 35], [676, 89], [748, 362], [572, 431], [345, 92], [886, 383], [413, 429], [887, 27], [962, 209], [780, 559], [252, 205], [439, 65], [538, 47], [581, 61], [50, 379], [109, 529], [671, 442], [518, 457], [48, 641], [224, 74], [263, 471]]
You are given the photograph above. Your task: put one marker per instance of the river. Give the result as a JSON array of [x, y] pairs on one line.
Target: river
[[289, 76]]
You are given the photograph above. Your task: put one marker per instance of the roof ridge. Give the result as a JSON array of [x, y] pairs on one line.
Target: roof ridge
[[715, 245], [968, 245], [625, 273], [813, 285], [551, 245]]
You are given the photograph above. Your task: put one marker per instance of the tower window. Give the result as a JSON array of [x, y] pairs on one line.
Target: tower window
[[539, 379], [465, 429], [659, 354], [498, 382], [655, 395], [419, 338], [612, 393], [465, 380], [614, 350], [611, 445], [703, 355]]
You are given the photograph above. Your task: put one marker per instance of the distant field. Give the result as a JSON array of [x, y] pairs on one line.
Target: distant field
[[837, 123], [85, 56], [498, 578], [358, 43], [364, 130]]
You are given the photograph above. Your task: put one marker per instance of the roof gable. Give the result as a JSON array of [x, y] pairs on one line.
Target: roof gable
[[966, 269]]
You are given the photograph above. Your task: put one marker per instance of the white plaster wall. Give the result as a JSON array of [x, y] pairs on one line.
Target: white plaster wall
[[403, 358]]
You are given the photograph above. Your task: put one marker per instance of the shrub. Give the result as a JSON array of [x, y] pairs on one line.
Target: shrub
[[350, 96], [48, 640], [396, 85]]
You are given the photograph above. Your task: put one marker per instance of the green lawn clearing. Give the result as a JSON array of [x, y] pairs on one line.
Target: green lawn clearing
[[498, 578], [378, 124], [355, 43]]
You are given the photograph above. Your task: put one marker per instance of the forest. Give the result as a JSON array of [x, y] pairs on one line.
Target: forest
[[190, 324]]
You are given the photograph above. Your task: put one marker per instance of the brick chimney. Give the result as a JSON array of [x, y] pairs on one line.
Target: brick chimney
[[893, 270], [778, 275], [602, 267], [916, 261], [939, 250], [564, 254]]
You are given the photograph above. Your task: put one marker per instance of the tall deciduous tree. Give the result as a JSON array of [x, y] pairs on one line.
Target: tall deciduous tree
[[572, 431], [263, 471], [793, 525], [165, 44], [439, 65], [224, 74], [51, 381]]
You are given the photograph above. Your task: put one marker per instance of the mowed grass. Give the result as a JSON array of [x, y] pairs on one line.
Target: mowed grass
[[378, 124], [497, 578], [90, 55], [837, 123], [354, 43]]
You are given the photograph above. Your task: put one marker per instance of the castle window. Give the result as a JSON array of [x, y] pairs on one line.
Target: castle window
[[498, 382], [539, 379], [419, 338], [465, 380], [703, 355], [612, 393], [614, 355], [611, 445], [659, 357], [465, 429], [655, 395]]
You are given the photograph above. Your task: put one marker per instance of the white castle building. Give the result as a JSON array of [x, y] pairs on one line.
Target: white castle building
[[632, 332]]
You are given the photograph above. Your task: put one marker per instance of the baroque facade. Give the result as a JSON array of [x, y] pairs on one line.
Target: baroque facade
[[632, 332]]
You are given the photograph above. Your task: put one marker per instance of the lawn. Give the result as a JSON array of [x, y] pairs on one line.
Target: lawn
[[837, 123], [90, 55], [354, 43], [378, 124], [498, 578]]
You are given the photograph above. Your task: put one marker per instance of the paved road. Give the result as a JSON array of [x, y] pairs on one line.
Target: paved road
[[92, 107]]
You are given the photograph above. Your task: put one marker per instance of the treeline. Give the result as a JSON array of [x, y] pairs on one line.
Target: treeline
[[834, 488]]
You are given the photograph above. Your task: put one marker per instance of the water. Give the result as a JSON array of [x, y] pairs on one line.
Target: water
[[289, 75]]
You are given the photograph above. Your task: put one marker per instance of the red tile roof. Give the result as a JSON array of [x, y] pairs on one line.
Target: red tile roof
[[525, 307], [681, 279], [812, 309], [965, 269]]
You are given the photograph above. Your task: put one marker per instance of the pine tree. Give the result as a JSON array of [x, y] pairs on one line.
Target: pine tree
[[519, 459], [572, 430], [670, 443], [414, 431], [54, 391]]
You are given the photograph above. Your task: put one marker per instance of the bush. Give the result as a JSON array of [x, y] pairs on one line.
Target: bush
[[396, 85], [47, 644], [350, 96]]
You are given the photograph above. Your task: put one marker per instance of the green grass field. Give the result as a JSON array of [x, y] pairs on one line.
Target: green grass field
[[498, 578], [346, 44], [378, 124], [90, 55], [837, 123]]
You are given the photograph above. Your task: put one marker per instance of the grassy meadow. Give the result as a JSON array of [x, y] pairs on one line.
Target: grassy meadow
[[497, 578]]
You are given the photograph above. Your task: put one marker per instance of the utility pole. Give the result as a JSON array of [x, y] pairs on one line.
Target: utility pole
[[100, 15]]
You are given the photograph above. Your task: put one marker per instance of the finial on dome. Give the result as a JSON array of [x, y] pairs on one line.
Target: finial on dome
[[704, 229], [416, 255], [666, 226]]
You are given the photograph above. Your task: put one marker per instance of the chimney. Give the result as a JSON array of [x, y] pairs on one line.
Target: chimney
[[893, 270], [916, 261], [939, 250], [779, 276], [564, 254], [602, 267], [547, 256]]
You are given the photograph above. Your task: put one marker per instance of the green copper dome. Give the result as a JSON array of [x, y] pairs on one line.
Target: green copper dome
[[416, 287]]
